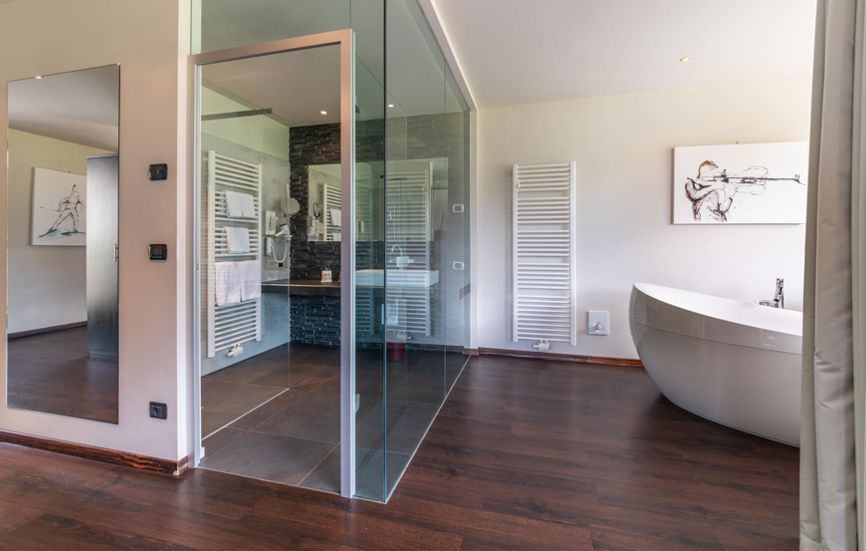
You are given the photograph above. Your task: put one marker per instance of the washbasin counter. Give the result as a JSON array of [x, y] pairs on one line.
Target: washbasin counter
[[397, 278], [302, 287], [363, 278]]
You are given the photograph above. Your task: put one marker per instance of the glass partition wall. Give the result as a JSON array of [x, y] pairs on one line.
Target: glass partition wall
[[400, 251]]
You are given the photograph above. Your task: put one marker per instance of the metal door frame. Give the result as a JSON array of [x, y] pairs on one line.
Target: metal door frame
[[345, 40]]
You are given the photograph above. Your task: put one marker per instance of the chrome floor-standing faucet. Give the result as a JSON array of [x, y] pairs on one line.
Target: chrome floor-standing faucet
[[779, 297]]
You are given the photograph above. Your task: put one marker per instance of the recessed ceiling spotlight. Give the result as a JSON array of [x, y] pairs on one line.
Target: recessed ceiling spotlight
[[38, 77], [686, 59], [323, 112], [391, 106]]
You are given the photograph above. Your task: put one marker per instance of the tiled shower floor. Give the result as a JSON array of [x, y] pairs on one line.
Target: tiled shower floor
[[277, 419]]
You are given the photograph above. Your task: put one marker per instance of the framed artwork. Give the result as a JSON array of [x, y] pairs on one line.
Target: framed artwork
[[59, 212], [741, 184]]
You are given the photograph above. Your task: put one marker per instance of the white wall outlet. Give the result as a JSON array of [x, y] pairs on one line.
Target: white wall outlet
[[598, 323], [458, 208], [457, 266]]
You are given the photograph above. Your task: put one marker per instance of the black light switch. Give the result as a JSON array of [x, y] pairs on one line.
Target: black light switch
[[158, 410], [158, 172], [158, 251]]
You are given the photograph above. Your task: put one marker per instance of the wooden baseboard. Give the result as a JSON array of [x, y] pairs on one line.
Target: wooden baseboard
[[533, 354], [43, 330], [143, 462]]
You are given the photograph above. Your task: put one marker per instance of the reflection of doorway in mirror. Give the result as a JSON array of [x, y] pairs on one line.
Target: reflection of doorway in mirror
[[59, 213]]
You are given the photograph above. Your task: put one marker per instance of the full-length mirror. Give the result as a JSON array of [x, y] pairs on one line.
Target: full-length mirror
[[62, 244]]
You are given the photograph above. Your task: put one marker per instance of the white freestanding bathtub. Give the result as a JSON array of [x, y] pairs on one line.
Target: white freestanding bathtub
[[731, 362]]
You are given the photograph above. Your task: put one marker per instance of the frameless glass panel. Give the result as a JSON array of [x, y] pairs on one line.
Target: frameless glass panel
[[370, 437], [416, 193], [61, 217], [456, 234], [270, 245]]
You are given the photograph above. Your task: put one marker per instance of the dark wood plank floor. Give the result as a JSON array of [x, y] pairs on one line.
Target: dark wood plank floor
[[525, 455], [53, 373]]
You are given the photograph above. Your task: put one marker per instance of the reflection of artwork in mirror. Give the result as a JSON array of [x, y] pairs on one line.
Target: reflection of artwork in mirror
[[61, 216], [58, 212]]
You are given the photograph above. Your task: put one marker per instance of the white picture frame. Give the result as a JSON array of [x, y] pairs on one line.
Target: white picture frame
[[59, 210], [763, 183]]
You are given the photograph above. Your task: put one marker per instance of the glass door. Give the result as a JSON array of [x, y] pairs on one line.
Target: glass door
[[276, 249]]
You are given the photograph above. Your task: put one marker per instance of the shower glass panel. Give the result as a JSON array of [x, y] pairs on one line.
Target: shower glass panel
[[411, 206], [455, 282], [416, 181], [270, 137], [369, 286]]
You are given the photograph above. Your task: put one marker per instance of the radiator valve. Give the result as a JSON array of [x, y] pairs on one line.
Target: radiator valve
[[543, 345]]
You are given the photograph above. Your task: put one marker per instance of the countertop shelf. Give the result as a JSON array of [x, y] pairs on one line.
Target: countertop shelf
[[302, 287]]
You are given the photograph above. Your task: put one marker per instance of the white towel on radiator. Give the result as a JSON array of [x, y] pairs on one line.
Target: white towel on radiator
[[238, 239], [235, 204], [249, 206], [251, 279], [227, 283]]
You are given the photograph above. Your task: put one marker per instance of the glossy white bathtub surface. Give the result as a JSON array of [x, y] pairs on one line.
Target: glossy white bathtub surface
[[732, 362]]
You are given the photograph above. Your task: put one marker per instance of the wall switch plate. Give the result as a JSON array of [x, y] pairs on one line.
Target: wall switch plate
[[457, 266], [157, 251], [458, 208], [157, 172], [158, 410], [598, 323]]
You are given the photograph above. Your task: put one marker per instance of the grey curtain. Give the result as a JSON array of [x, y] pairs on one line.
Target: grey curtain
[[834, 332]]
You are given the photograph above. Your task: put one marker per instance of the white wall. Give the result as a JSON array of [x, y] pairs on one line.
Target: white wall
[[46, 284], [623, 146], [149, 41]]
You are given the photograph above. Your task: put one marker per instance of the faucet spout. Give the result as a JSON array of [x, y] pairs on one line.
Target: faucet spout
[[779, 298]]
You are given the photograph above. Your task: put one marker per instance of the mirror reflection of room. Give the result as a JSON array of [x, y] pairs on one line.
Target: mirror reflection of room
[[270, 388], [62, 244]]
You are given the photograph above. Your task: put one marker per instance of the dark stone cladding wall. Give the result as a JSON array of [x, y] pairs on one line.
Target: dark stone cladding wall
[[418, 137], [311, 145], [318, 145], [315, 320]]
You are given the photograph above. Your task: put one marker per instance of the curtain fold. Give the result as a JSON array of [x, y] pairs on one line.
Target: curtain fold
[[834, 342]]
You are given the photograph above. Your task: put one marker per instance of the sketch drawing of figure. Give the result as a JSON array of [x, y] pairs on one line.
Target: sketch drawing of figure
[[713, 190], [68, 209]]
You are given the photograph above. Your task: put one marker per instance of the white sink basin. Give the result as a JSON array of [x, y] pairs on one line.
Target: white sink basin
[[397, 278]]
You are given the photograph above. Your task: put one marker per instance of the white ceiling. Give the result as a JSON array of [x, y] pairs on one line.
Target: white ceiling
[[81, 106], [527, 51], [296, 85]]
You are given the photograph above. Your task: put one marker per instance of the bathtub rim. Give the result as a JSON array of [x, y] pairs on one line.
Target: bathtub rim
[[765, 311], [679, 320]]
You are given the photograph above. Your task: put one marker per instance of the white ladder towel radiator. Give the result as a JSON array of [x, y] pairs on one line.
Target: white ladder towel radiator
[[231, 324], [409, 232], [543, 253]]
